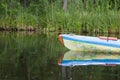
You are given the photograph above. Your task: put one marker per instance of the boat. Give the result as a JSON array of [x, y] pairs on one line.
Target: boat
[[88, 43], [81, 58]]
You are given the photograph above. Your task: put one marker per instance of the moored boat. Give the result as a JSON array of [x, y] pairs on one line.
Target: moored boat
[[89, 43]]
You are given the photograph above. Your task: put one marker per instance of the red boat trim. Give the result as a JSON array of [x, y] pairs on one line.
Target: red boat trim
[[109, 65], [60, 60], [108, 38], [61, 39]]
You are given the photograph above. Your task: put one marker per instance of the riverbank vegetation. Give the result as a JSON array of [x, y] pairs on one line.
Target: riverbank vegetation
[[64, 15]]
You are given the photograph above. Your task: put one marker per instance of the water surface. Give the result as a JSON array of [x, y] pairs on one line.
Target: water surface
[[34, 56]]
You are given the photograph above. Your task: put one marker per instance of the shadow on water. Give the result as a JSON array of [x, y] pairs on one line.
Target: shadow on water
[[23, 67], [90, 73]]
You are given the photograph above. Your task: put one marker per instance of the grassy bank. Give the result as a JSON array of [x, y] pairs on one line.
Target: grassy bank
[[89, 16], [94, 17]]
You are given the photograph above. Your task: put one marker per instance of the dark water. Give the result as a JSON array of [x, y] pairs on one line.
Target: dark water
[[34, 56]]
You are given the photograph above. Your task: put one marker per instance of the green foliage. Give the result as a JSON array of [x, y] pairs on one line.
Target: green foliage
[[81, 15]]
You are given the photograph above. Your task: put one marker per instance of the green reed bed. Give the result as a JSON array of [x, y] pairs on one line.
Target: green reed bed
[[80, 15], [89, 17], [14, 15]]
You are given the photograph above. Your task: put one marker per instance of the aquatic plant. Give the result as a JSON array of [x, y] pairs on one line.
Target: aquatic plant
[[80, 15]]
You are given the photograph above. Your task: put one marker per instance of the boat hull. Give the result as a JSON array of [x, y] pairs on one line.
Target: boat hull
[[76, 44]]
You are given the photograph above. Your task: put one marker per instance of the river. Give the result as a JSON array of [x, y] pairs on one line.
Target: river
[[34, 56]]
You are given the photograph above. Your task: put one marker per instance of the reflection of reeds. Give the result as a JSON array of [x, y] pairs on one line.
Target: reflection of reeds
[[37, 54]]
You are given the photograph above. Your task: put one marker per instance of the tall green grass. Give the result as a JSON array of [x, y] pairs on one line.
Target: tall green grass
[[89, 16]]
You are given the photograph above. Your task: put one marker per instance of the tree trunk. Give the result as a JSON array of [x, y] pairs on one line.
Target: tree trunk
[[65, 5], [84, 2], [24, 3]]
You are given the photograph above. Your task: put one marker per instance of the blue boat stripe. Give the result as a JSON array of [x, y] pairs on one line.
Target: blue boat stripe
[[93, 60], [90, 62], [91, 42]]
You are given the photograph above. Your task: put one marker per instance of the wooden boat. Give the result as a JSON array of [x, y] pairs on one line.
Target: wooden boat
[[88, 43], [79, 58]]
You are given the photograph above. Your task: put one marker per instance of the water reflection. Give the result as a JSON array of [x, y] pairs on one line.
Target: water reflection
[[29, 56], [34, 56], [86, 65], [76, 58]]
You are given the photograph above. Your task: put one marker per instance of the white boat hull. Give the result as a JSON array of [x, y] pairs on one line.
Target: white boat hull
[[85, 43], [78, 46]]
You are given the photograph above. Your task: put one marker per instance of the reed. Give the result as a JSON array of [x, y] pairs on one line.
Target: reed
[[89, 16]]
